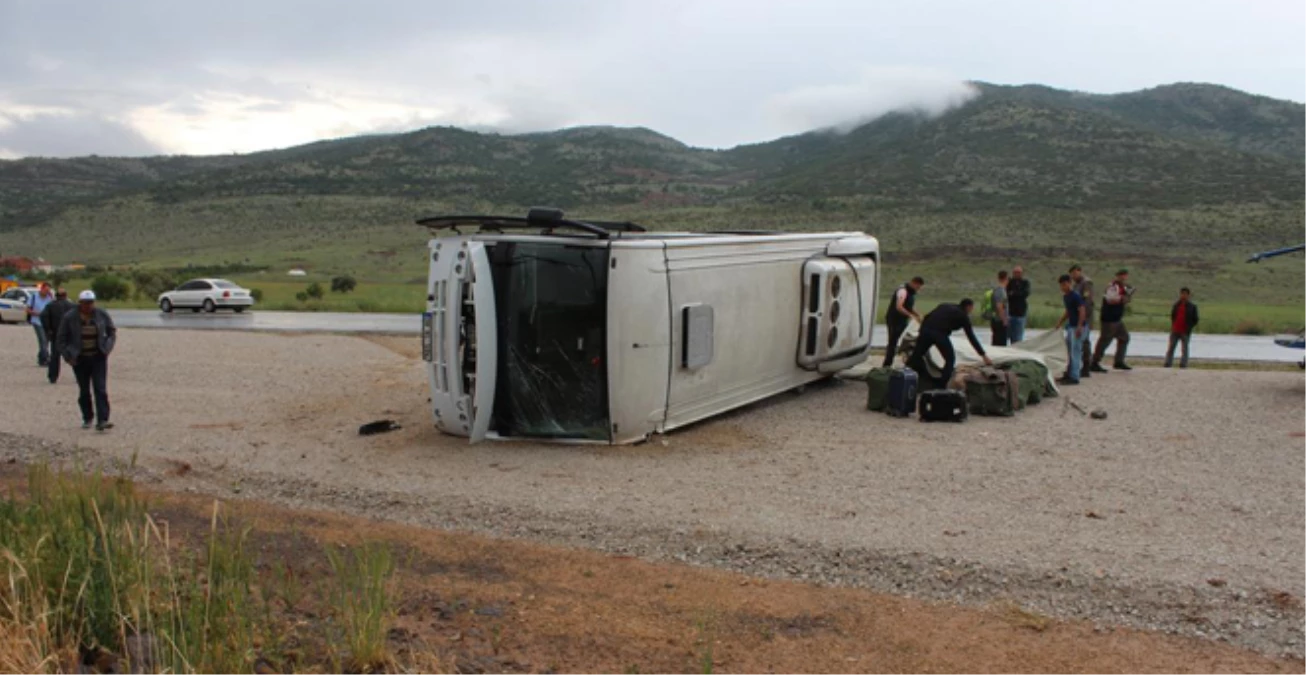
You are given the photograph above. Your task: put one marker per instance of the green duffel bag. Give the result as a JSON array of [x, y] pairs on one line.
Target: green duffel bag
[[1033, 378], [992, 392], [877, 389]]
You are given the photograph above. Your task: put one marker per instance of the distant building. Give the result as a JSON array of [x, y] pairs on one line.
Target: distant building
[[297, 273], [18, 263]]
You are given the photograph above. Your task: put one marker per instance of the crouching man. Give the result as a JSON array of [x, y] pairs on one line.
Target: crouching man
[[936, 332]]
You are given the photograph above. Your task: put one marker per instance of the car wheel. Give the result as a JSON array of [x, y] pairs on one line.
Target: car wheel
[[238, 310], [165, 305], [209, 306]]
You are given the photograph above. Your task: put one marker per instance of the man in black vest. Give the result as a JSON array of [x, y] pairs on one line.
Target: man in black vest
[[899, 314]]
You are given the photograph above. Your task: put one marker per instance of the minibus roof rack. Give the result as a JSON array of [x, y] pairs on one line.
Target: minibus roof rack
[[547, 219]]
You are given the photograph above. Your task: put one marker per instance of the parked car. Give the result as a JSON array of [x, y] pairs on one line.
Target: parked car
[[209, 295], [14, 303]]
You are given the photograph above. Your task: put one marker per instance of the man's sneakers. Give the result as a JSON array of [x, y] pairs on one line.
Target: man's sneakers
[[1097, 368], [86, 424], [1066, 380], [1123, 366], [104, 426]]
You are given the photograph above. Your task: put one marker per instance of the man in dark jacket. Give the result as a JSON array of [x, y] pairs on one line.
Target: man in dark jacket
[[1018, 298], [51, 317], [936, 331], [1183, 319], [901, 312], [86, 338]]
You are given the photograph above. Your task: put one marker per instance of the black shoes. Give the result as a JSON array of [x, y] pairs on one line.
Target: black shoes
[[1123, 366], [104, 426], [1066, 380], [1097, 368]]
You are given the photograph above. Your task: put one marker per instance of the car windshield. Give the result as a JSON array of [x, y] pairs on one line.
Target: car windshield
[[223, 283]]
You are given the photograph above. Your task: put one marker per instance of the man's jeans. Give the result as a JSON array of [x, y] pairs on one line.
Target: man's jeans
[[92, 375], [1016, 329], [1178, 339], [43, 345], [1075, 350]]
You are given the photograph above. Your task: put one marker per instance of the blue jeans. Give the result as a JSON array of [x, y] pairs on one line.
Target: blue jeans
[[43, 345], [1016, 329], [1075, 350]]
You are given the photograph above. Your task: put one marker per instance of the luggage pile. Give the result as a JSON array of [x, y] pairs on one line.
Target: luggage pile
[[993, 391]]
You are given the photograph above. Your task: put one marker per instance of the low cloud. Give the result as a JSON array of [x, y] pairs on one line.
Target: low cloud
[[879, 91], [67, 134]]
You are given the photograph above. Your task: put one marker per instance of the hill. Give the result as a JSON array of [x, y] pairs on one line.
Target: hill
[[1180, 169]]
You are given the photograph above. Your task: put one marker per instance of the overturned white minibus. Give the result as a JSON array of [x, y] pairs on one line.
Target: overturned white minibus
[[547, 328]]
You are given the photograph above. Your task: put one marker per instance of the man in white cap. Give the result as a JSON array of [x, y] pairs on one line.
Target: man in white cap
[[86, 338]]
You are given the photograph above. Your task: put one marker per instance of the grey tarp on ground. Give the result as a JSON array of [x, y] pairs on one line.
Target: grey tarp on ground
[[1049, 349]]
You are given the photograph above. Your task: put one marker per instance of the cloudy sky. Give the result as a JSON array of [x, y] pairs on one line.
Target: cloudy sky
[[134, 77]]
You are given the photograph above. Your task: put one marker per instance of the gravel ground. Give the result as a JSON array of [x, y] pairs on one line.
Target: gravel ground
[[1184, 512]]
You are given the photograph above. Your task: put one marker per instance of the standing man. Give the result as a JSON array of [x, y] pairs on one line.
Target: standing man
[[1083, 286], [1113, 323], [936, 330], [1075, 318], [1001, 318], [1183, 319], [900, 313], [1018, 297], [42, 298], [86, 338], [51, 317]]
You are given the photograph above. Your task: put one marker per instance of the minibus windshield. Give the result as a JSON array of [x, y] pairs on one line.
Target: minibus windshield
[[551, 301]]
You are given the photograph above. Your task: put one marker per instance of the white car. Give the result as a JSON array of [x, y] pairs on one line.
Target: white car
[[209, 295], [14, 302]]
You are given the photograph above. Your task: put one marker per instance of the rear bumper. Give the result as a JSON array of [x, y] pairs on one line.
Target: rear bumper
[[234, 302]]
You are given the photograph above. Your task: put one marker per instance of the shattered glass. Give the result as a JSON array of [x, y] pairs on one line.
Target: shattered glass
[[552, 301]]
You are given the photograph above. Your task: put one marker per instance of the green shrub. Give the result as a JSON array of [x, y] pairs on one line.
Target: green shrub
[[109, 287], [301, 296], [257, 294], [314, 291], [343, 284]]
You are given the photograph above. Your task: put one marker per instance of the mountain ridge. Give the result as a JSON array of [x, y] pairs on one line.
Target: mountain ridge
[[1012, 147]]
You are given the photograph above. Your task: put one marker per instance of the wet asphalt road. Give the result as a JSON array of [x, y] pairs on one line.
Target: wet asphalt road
[[1219, 347]]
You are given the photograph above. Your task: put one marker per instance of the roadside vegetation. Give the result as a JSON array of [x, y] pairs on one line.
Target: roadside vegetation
[[91, 582]]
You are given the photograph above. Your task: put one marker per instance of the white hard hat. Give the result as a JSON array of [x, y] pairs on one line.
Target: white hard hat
[[86, 296]]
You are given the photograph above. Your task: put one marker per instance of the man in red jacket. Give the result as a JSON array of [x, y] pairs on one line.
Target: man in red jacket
[[1183, 319]]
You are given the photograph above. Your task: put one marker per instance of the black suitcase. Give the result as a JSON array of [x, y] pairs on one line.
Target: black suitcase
[[943, 405]]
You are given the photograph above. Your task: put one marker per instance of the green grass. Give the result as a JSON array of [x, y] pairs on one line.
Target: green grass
[[362, 602], [88, 573]]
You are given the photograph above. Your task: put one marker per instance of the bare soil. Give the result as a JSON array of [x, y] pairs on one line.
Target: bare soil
[[1183, 512]]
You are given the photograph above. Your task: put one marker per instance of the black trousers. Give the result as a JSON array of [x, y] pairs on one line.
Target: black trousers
[[52, 368], [92, 374], [999, 330], [941, 341], [896, 330]]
